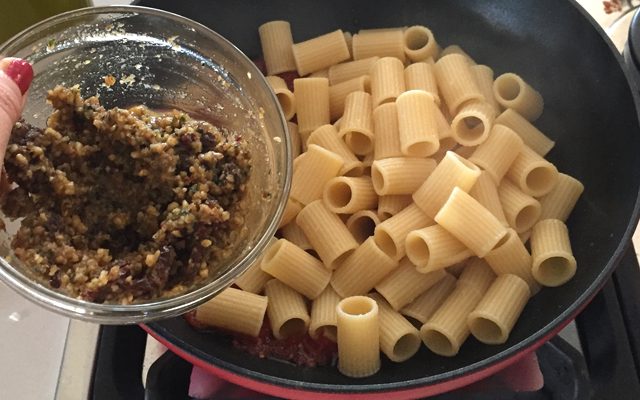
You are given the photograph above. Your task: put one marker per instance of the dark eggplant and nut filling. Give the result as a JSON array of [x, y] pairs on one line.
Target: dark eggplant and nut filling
[[123, 205]]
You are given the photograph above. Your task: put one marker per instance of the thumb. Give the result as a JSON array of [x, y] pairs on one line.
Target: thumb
[[15, 78]]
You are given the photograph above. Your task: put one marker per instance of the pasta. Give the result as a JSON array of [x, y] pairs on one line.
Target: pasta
[[356, 126], [291, 210], [358, 336], [327, 233], [419, 43], [400, 175], [530, 135], [417, 124], [433, 248], [295, 235], [385, 43], [235, 310], [276, 41], [420, 76], [391, 234], [343, 72], [453, 171], [477, 274], [285, 97], [385, 127], [312, 103], [320, 52], [287, 310], [471, 125], [473, 225], [511, 257], [399, 340], [423, 307], [389, 206], [327, 137], [455, 49], [315, 168], [404, 284], [559, 202], [496, 314], [485, 192], [362, 224], [324, 318], [553, 260], [511, 91], [387, 80], [456, 81], [484, 79], [254, 278], [498, 152], [521, 210], [533, 174], [296, 142], [367, 266], [296, 268], [345, 195], [338, 94]]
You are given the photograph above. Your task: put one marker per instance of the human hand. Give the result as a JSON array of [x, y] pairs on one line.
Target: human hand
[[15, 78]]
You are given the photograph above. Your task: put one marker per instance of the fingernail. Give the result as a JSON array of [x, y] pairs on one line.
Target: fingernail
[[20, 71]]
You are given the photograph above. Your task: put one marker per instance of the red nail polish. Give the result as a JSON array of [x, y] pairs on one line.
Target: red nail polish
[[21, 72]]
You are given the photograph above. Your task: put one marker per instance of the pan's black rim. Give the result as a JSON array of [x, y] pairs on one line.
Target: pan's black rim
[[503, 357]]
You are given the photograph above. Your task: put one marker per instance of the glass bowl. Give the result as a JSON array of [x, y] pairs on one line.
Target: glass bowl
[[163, 61]]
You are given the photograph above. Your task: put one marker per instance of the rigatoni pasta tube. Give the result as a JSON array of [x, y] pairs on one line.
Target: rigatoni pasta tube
[[235, 310], [356, 126], [287, 310], [385, 128], [477, 274], [417, 124], [327, 233], [327, 137], [404, 284], [498, 152], [362, 224], [296, 141], [347, 195], [352, 69], [291, 210], [367, 266], [387, 80], [295, 235], [493, 319], [296, 268], [338, 94], [392, 233], [254, 278], [285, 97], [473, 225], [530, 135], [561, 200], [419, 43], [452, 171], [389, 206], [324, 317], [420, 76], [522, 211], [320, 52], [447, 328], [484, 79], [433, 248], [456, 81], [472, 124], [314, 170], [553, 260], [455, 49], [399, 340], [381, 43], [511, 91], [312, 103], [511, 257], [276, 41], [400, 175], [358, 336], [423, 306], [533, 174], [486, 192]]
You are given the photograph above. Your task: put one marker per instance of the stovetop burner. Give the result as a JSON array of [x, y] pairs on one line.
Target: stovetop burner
[[607, 368]]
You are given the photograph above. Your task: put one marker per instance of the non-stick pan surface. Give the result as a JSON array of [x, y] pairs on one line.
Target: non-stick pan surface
[[589, 111]]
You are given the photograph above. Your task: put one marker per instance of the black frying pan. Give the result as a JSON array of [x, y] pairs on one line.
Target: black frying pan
[[589, 111]]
